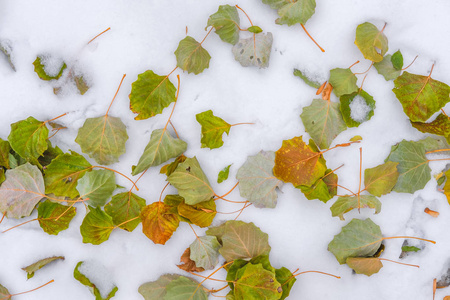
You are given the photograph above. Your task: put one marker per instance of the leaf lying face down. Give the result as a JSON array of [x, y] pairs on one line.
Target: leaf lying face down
[[226, 23], [39, 264], [292, 12], [173, 287], [365, 265], [54, 217], [254, 51], [205, 252], [187, 264], [156, 290], [386, 67]]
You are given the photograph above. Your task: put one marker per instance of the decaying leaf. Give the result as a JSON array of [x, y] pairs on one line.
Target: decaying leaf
[[254, 51], [323, 189], [365, 265], [39, 264], [159, 222], [187, 264], [92, 283]]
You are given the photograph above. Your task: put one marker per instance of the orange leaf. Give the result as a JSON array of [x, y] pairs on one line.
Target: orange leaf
[[187, 263], [158, 222]]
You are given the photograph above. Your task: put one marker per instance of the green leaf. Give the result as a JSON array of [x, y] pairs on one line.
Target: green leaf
[[98, 186], [49, 155], [387, 69], [359, 238], [4, 293], [205, 252], [323, 189], [170, 168], [191, 56], [124, 207], [212, 129], [92, 286], [81, 84], [161, 147], [103, 139], [255, 283], [420, 96], [223, 175], [254, 51], [309, 81], [397, 60], [201, 214], [440, 126], [28, 138], [343, 81], [323, 121], [357, 108], [21, 191], [365, 265], [191, 183], [254, 29], [434, 143], [381, 179], [184, 288], [412, 166], [156, 290], [410, 249], [257, 183], [347, 203], [150, 94], [96, 226], [40, 64], [286, 279], [49, 211], [292, 12], [159, 222], [39, 264], [5, 148], [62, 174], [372, 43], [226, 23]]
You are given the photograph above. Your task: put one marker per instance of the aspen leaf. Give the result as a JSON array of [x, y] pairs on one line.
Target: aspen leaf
[[156, 290], [191, 56], [187, 264], [254, 283], [169, 168], [39, 264], [254, 51], [200, 214], [124, 207], [306, 79], [96, 227], [49, 211], [49, 155], [158, 222], [212, 129], [387, 69], [81, 84], [381, 179], [292, 12], [420, 96], [93, 287], [323, 189], [343, 81], [286, 279], [21, 191], [226, 23], [5, 148], [397, 60], [103, 139], [365, 265], [98, 186], [150, 94], [347, 203], [205, 252], [357, 108], [255, 29], [223, 174], [372, 43], [440, 126], [40, 64], [4, 293], [183, 288]]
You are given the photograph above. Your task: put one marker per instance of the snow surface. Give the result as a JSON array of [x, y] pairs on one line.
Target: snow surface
[[144, 34], [98, 275], [359, 109]]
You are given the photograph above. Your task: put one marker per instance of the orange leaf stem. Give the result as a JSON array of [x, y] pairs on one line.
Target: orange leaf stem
[[174, 129], [237, 6], [160, 195], [242, 210], [18, 225], [106, 168], [237, 124], [408, 237], [362, 83], [120, 84], [399, 262], [99, 35], [366, 70], [206, 35], [230, 190], [410, 63], [357, 62], [307, 33], [9, 297], [335, 276], [209, 276], [54, 118], [435, 151], [127, 221], [4, 214]]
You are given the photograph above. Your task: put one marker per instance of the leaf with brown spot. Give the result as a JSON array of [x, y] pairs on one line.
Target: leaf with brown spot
[[158, 222], [188, 264]]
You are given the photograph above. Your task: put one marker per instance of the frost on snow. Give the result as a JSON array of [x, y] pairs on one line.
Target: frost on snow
[[359, 109], [98, 275]]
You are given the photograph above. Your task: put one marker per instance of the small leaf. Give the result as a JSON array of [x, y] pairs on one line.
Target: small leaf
[[255, 29], [81, 84], [343, 81], [397, 60], [347, 203], [254, 51], [185, 288], [41, 67], [49, 211], [381, 179], [98, 186], [440, 126], [205, 252], [372, 43], [150, 94], [226, 23], [191, 56], [306, 79], [223, 175], [286, 279], [96, 226], [410, 249], [103, 139], [93, 286], [5, 148], [158, 222], [357, 108], [387, 69], [254, 282], [212, 129], [6, 49], [323, 189], [156, 290], [292, 12], [39, 264], [187, 264], [201, 214], [365, 265], [124, 207]]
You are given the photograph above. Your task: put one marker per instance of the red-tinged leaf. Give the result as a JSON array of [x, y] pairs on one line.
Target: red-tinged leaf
[[159, 222], [440, 126]]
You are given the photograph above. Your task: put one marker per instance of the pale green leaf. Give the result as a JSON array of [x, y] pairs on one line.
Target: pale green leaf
[[226, 23], [372, 43], [254, 51], [184, 288], [387, 69], [6, 49], [292, 12], [191, 56], [205, 252], [156, 290], [309, 81], [124, 207], [345, 204], [343, 81], [98, 186]]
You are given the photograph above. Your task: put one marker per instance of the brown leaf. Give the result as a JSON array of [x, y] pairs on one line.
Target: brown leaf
[[158, 222], [188, 264]]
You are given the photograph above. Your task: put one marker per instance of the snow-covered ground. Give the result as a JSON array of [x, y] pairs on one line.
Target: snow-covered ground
[[144, 34]]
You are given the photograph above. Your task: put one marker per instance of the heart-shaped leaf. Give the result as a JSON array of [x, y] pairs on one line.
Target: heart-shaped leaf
[[159, 222], [372, 43], [226, 23], [96, 226], [343, 81], [124, 207], [191, 56], [54, 217]]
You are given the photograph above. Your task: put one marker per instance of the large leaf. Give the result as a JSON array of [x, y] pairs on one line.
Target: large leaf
[[191, 183], [254, 51], [184, 288], [54, 217], [62, 174], [381, 179], [323, 189], [96, 226], [39, 264], [98, 186], [124, 207], [255, 283], [440, 126], [159, 222], [372, 43], [103, 139], [299, 163], [156, 290], [201, 214], [28, 138], [323, 121], [286, 279], [161, 147], [191, 56], [343, 81], [212, 129], [386, 68], [365, 265], [292, 12], [150, 94], [257, 183], [412, 166], [205, 252], [359, 238], [420, 96], [93, 284], [226, 23], [21, 191], [357, 108], [345, 204], [5, 148]]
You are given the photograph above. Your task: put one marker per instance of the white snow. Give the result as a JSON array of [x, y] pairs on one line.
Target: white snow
[[52, 64], [98, 275], [359, 109]]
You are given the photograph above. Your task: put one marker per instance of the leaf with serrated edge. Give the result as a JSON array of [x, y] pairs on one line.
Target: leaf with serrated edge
[[365, 265], [254, 51], [98, 186], [323, 189], [386, 68], [156, 290], [440, 126], [347, 100], [347, 203], [158, 222], [254, 282], [257, 183], [49, 211], [96, 226], [292, 12], [372, 43], [201, 214], [226, 23], [150, 94], [124, 207], [92, 287], [223, 174], [205, 252], [212, 129], [21, 191], [184, 288], [286, 279], [381, 179], [343, 81], [191, 56], [359, 238], [39, 264]]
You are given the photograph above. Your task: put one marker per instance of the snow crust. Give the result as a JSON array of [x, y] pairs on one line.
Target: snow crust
[[99, 275], [359, 109]]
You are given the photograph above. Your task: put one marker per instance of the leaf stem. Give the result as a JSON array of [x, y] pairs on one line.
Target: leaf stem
[[335, 276], [370, 67], [120, 84], [29, 290], [339, 145], [160, 195], [174, 104], [438, 159], [362, 83], [250, 20], [127, 221], [106, 168], [398, 262], [213, 279], [237, 124], [236, 211], [209, 276], [174, 129], [206, 35], [439, 150], [215, 291], [99, 35], [307, 33], [408, 237], [18, 225], [237, 183], [231, 201], [357, 62], [242, 210], [410, 63], [4, 214], [54, 118]]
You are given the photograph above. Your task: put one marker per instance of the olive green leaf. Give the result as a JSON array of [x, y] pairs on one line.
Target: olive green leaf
[[226, 23], [49, 155], [83, 279], [185, 288], [440, 126], [323, 121], [103, 139], [41, 70], [292, 12], [357, 108], [212, 129], [397, 60], [410, 249], [169, 168], [5, 148], [257, 183], [323, 189], [254, 51], [254, 29], [345, 204], [124, 207], [161, 147], [372, 43], [307, 79], [420, 96], [387, 69], [412, 166], [359, 238], [205, 252], [98, 186], [223, 174], [159, 222], [39, 264], [200, 214], [343, 81], [81, 84], [191, 183], [4, 293], [286, 279], [191, 56], [150, 94], [156, 290], [381, 179], [254, 283], [96, 226], [365, 265], [21, 191], [54, 217]]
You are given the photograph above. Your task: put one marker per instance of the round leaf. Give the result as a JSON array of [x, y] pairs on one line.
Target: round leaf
[[124, 207], [98, 186], [205, 252], [191, 56], [255, 283], [49, 211], [96, 226], [184, 288], [158, 222], [372, 43], [357, 108], [254, 51]]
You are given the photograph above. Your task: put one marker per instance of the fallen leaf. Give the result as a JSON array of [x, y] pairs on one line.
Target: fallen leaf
[[365, 265], [124, 207], [254, 51], [347, 203], [185, 288], [156, 290], [226, 23], [39, 264], [343, 81], [158, 222], [381, 179], [292, 12], [49, 211], [372, 43], [212, 129], [98, 186], [96, 226], [191, 56], [187, 264], [205, 252]]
